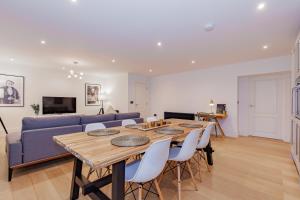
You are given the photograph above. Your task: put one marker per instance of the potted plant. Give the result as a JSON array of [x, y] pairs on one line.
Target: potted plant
[[36, 108]]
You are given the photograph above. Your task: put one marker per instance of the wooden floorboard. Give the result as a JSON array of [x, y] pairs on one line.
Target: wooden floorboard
[[245, 168]]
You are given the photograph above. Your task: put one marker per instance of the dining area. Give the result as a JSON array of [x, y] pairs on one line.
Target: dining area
[[134, 159]]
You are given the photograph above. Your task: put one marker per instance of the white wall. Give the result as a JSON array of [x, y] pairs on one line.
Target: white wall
[[191, 91], [43, 82]]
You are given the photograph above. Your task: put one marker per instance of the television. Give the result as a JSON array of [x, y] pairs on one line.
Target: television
[[59, 105]]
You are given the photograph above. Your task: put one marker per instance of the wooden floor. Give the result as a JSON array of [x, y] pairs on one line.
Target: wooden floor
[[245, 168]]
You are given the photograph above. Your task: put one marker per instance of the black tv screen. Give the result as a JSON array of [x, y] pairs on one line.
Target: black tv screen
[[59, 105]]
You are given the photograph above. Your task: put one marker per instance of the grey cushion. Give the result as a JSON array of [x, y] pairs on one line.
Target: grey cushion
[[14, 149], [127, 115], [30, 123], [39, 144], [88, 119]]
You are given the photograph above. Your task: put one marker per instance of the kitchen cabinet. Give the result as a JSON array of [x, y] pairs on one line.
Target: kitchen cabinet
[[295, 141]]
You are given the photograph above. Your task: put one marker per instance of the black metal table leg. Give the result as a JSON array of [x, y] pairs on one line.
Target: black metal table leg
[[208, 149], [118, 181], [77, 169]]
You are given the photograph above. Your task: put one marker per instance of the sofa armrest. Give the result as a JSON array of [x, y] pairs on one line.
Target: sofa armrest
[[14, 149]]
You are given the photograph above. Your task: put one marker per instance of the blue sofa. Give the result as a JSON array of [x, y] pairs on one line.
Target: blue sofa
[[35, 142]]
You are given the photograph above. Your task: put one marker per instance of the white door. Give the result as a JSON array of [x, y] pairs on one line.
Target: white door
[[265, 106], [141, 96]]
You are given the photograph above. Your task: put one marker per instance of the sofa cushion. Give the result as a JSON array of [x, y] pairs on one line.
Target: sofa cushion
[[88, 119], [14, 149], [31, 123], [127, 115]]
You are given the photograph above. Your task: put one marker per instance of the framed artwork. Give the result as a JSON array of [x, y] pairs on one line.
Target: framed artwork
[[11, 91], [92, 94], [221, 108]]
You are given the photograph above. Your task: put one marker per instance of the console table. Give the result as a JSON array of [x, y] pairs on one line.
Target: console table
[[215, 117]]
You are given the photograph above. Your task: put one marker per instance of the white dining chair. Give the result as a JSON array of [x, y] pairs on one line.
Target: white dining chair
[[151, 119], [149, 167], [203, 142], [182, 155], [93, 127], [126, 122]]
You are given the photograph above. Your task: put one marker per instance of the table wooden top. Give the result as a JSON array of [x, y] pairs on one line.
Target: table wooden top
[[220, 116], [98, 152]]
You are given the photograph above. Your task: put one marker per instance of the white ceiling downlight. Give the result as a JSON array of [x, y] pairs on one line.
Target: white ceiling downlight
[[209, 27], [265, 47], [159, 44], [261, 6], [43, 42]]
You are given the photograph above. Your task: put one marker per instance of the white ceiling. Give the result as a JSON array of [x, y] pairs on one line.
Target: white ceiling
[[96, 31]]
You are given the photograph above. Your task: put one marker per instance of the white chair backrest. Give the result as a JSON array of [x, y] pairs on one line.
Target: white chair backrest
[[204, 140], [126, 122], [153, 161], [189, 145], [94, 126], [151, 119]]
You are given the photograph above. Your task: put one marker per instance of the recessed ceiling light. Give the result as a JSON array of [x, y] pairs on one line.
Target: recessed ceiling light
[[80, 77], [43, 42], [69, 76], [265, 47], [74, 1], [261, 6], [12, 59], [113, 60], [75, 75], [81, 73], [159, 44], [209, 27], [150, 70], [63, 68], [193, 62], [72, 71]]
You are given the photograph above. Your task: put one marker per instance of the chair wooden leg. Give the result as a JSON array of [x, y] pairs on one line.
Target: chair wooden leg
[[179, 180], [203, 154], [140, 192], [158, 190], [191, 173], [199, 165], [89, 173], [99, 172]]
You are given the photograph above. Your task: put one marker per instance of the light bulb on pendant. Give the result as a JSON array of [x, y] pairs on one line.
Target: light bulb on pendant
[[211, 104]]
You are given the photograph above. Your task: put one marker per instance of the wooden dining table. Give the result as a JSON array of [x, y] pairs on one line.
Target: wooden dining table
[[98, 152]]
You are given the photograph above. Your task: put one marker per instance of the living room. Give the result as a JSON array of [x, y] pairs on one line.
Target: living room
[[158, 71]]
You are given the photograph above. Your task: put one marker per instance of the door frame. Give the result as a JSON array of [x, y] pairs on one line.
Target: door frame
[[285, 109], [146, 98]]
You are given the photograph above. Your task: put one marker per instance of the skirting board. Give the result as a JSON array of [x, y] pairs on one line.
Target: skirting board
[[297, 164]]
